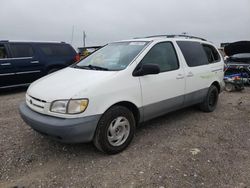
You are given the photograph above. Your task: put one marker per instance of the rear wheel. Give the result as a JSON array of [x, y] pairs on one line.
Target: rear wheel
[[229, 87], [210, 102], [115, 130]]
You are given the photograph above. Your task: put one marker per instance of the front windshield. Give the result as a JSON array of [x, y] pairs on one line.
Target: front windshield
[[114, 56]]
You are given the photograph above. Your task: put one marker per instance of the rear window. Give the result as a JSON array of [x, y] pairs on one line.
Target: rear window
[[56, 50], [193, 53], [21, 50], [212, 54]]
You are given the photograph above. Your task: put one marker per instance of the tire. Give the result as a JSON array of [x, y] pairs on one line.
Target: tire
[[229, 87], [211, 100], [115, 130]]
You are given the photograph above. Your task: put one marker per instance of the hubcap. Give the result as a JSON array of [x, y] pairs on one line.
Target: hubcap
[[118, 131]]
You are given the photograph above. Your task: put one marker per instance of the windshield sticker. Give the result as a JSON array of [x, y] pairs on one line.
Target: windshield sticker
[[137, 43]]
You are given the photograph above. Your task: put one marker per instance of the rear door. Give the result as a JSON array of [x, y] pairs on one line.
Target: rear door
[[216, 62], [199, 72], [7, 69], [27, 65], [162, 92]]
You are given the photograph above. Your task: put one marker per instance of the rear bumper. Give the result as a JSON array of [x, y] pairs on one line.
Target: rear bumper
[[76, 130]]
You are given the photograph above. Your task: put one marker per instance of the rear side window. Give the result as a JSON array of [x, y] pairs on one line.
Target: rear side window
[[21, 50], [193, 53], [56, 50], [164, 55], [212, 54], [3, 53]]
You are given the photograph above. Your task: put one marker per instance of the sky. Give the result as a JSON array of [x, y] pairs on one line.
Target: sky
[[106, 21]]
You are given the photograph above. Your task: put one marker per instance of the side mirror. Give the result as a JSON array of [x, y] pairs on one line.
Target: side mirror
[[147, 69]]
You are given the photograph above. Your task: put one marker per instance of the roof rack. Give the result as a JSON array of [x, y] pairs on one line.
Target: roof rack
[[174, 36]]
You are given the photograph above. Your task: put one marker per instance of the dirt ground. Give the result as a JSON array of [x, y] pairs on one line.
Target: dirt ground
[[187, 148]]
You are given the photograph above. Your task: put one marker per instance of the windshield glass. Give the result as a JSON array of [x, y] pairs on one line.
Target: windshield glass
[[114, 56]]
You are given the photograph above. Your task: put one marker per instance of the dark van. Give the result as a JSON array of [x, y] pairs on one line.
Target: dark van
[[24, 62]]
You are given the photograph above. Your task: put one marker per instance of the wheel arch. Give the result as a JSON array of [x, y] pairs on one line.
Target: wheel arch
[[132, 107], [217, 85]]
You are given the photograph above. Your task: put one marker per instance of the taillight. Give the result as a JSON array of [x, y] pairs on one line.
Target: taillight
[[77, 58]]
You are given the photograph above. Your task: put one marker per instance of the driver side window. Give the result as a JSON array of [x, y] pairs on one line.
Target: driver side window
[[162, 54]]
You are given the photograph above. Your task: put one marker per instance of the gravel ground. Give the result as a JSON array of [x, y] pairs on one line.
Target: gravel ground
[[187, 148]]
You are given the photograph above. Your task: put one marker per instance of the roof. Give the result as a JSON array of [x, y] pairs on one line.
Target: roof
[[170, 37], [27, 41]]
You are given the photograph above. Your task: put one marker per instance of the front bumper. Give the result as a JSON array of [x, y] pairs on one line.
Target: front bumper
[[76, 130]]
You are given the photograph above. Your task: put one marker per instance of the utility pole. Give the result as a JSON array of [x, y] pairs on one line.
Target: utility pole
[[84, 38]]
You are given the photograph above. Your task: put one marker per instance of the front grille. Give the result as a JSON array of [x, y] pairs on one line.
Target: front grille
[[35, 102], [37, 99]]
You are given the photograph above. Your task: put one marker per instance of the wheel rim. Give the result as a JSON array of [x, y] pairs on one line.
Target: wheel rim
[[229, 87], [212, 99], [118, 131]]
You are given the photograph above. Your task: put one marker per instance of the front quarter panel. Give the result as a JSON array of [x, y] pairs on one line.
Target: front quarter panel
[[122, 88]]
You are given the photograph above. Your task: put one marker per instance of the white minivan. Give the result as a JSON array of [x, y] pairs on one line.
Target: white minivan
[[105, 96]]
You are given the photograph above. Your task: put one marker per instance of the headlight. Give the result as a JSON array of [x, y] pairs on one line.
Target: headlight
[[77, 106], [59, 106], [73, 106]]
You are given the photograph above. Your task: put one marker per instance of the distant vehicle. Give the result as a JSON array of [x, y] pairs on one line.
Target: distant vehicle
[[24, 62], [85, 51], [121, 85], [238, 60]]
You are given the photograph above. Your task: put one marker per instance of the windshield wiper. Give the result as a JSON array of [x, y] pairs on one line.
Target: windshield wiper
[[97, 67], [92, 67]]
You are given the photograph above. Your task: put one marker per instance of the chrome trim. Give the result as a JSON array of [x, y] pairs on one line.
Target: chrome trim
[[7, 74], [17, 73], [34, 62], [5, 87], [6, 64], [28, 72], [15, 58]]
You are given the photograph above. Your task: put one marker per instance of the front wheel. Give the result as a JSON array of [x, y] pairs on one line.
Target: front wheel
[[115, 130], [211, 100]]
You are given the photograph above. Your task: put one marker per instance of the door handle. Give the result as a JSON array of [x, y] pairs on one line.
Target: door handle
[[179, 76], [190, 74], [34, 62], [6, 64]]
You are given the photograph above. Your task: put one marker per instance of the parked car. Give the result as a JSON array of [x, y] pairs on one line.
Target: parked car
[[238, 60], [24, 62], [122, 85]]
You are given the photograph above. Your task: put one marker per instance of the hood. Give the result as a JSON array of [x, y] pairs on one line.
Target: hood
[[240, 47], [68, 83]]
